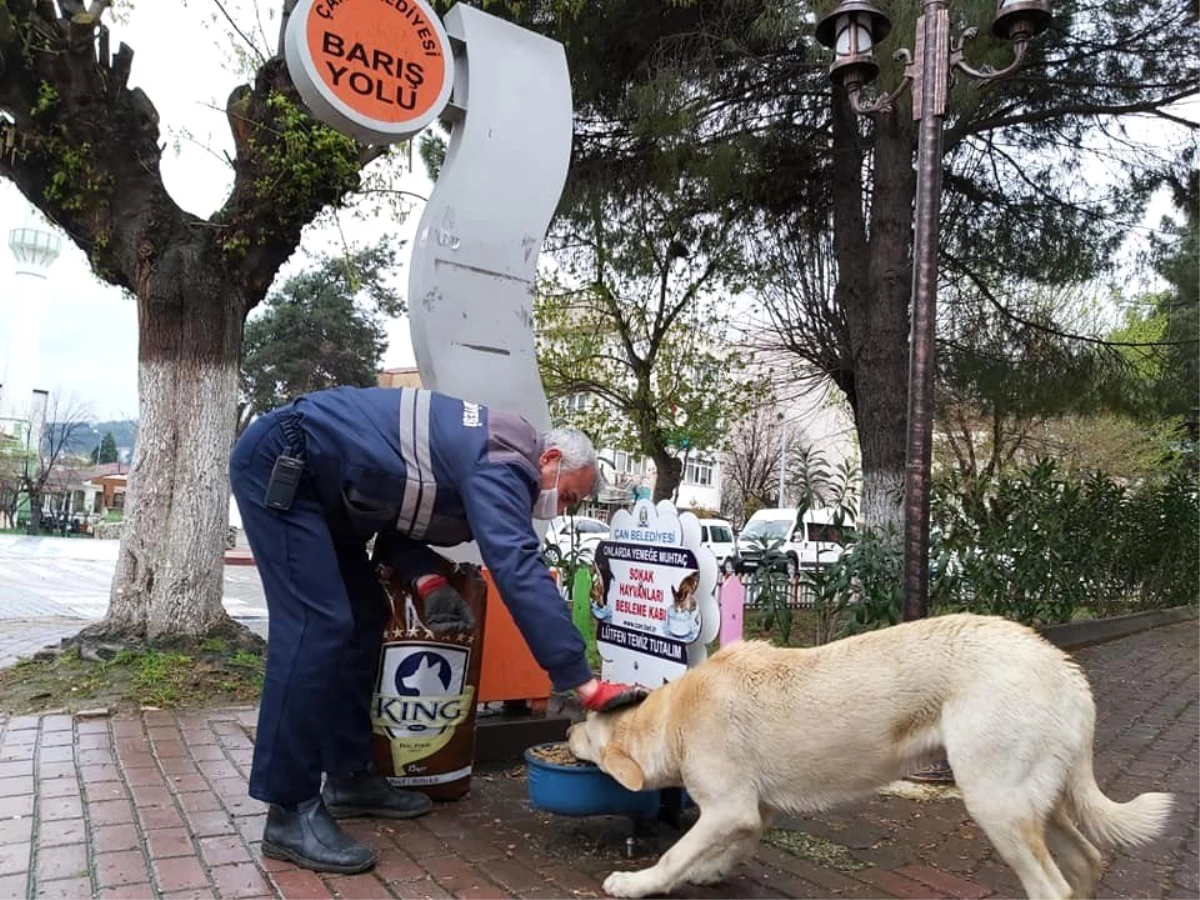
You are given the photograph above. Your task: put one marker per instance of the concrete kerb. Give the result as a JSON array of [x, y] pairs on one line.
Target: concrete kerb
[[1074, 635]]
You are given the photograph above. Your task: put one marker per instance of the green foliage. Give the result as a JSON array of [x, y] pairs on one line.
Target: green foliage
[[134, 675], [1145, 323], [575, 574], [863, 589], [816, 484], [1014, 363], [1040, 546], [1168, 322], [321, 329], [75, 184], [305, 159], [106, 450], [432, 148], [636, 318], [1122, 448], [158, 676], [770, 588], [47, 100], [1012, 386], [1035, 545]]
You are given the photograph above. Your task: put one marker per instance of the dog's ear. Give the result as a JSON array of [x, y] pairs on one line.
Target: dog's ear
[[621, 766]]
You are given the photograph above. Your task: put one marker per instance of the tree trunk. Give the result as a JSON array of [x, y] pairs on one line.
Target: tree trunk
[[84, 147], [876, 299], [668, 472], [169, 580], [35, 511], [884, 361]]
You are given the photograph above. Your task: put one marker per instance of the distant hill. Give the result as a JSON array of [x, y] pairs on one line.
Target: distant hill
[[84, 440]]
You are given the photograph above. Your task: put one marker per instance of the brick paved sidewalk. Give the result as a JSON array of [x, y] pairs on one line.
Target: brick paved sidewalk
[[155, 805]]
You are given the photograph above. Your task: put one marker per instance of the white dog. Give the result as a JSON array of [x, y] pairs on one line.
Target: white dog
[[759, 730]]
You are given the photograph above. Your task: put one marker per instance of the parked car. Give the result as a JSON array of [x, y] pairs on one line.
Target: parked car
[[717, 535], [803, 542], [569, 534]]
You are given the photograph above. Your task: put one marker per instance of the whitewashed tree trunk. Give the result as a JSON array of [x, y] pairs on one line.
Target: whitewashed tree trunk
[[170, 571], [874, 284]]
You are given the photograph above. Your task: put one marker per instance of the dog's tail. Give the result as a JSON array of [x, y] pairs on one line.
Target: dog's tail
[[1109, 823]]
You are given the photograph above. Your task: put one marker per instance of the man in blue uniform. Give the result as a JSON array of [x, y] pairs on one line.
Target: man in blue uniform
[[314, 481]]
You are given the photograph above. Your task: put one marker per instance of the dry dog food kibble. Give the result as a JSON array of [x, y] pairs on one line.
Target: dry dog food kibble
[[560, 754]]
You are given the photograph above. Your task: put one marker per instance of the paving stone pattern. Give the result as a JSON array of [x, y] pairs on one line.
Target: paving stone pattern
[[155, 805]]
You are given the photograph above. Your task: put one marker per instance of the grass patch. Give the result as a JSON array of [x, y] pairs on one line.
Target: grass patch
[[818, 850], [213, 675]]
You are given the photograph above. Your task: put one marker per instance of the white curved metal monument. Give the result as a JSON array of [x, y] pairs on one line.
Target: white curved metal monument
[[475, 257], [505, 94], [381, 72]]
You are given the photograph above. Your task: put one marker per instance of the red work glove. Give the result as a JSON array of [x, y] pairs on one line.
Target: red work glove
[[445, 609], [607, 696]]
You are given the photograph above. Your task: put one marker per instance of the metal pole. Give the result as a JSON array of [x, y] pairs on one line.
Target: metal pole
[[929, 107], [782, 459]]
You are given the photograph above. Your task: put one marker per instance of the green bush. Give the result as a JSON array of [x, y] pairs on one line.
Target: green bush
[[771, 589], [864, 589], [1034, 545], [1041, 546]]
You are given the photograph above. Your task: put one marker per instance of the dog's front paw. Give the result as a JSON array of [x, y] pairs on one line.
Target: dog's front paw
[[707, 876], [627, 884]]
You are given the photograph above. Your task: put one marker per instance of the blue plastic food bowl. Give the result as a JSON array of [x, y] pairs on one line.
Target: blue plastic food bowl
[[583, 790]]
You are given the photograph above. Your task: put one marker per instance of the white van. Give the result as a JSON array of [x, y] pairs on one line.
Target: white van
[[817, 540], [717, 535]]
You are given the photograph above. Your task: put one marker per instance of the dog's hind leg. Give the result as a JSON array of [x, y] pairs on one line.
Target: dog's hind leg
[[723, 824], [1080, 861], [1010, 757], [1019, 838]]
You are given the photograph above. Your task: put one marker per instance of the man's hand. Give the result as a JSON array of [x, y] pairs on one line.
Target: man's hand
[[605, 696], [445, 609]]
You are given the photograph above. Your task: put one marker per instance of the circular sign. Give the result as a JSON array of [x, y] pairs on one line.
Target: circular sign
[[376, 70]]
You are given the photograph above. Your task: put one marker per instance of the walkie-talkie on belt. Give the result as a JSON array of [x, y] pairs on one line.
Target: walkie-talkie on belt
[[285, 479]]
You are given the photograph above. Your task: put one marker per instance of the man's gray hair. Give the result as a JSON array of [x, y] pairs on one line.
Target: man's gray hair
[[575, 446]]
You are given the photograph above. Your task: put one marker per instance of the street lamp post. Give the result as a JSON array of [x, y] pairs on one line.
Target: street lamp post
[[783, 436], [851, 31]]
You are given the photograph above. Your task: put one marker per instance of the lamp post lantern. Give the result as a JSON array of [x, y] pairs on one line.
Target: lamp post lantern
[[851, 30]]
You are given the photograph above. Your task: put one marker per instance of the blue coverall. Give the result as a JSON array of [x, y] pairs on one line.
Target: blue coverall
[[418, 468]]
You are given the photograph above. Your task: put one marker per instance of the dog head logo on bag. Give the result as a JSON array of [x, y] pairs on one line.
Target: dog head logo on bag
[[423, 674], [422, 696]]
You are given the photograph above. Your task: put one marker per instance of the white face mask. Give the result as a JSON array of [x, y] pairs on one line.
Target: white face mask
[[546, 505]]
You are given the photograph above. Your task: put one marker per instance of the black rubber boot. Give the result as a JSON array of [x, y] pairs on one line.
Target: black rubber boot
[[309, 837], [370, 794]]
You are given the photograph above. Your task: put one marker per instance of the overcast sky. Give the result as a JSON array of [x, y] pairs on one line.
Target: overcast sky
[[88, 347]]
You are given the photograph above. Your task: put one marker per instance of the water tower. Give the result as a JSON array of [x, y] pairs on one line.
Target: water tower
[[34, 250]]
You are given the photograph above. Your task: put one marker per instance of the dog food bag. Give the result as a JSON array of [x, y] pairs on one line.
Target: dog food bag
[[423, 711]]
